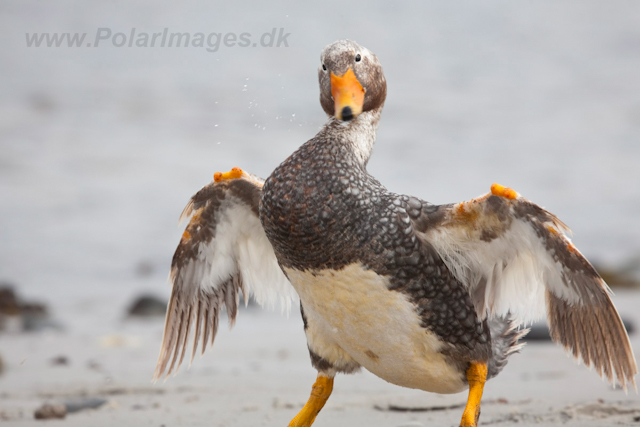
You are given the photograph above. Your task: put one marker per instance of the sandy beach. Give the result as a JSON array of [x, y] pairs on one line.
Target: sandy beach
[[259, 374]]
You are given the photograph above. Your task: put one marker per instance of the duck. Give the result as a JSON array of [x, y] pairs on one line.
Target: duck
[[425, 296]]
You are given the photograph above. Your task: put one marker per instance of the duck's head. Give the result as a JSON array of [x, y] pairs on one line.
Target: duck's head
[[351, 80]]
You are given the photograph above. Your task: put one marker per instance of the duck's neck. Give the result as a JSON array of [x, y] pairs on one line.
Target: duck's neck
[[357, 136]]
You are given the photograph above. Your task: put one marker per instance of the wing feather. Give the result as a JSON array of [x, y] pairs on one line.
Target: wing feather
[[517, 259], [196, 335], [223, 252]]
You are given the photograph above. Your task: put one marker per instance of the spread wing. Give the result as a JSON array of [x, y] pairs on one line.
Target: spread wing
[[516, 258], [224, 250]]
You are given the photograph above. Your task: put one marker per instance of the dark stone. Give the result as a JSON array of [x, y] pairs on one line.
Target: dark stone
[[77, 405], [147, 306], [8, 301], [60, 361], [59, 411], [33, 316], [47, 412]]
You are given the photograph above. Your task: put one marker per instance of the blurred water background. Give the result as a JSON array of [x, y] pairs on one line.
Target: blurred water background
[[100, 148]]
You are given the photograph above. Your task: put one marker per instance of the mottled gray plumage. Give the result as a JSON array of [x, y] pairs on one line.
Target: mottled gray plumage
[[321, 209]]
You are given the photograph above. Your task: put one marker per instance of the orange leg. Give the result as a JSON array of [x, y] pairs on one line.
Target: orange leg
[[319, 395], [477, 376]]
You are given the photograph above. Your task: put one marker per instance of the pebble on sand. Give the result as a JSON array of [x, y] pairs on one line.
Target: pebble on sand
[[61, 360], [47, 412], [147, 306], [24, 315]]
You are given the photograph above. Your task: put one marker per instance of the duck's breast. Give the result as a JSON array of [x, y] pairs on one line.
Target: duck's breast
[[379, 328]]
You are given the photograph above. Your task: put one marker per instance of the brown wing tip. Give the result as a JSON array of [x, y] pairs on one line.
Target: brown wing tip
[[175, 337], [202, 309], [595, 334]]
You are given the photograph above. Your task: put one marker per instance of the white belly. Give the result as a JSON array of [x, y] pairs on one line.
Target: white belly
[[354, 310]]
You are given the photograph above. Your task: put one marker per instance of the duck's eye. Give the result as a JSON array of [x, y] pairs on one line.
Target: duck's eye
[[324, 67], [358, 58]]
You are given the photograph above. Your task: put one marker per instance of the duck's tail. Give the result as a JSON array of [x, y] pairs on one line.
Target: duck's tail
[[505, 335]]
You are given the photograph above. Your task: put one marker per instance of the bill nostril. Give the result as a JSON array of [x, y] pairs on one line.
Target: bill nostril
[[347, 114]]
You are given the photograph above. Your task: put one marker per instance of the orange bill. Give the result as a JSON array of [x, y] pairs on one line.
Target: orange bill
[[348, 95]]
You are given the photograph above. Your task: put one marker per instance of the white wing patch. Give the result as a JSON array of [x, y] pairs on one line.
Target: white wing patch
[[224, 251], [506, 275], [240, 246], [515, 259], [258, 266]]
